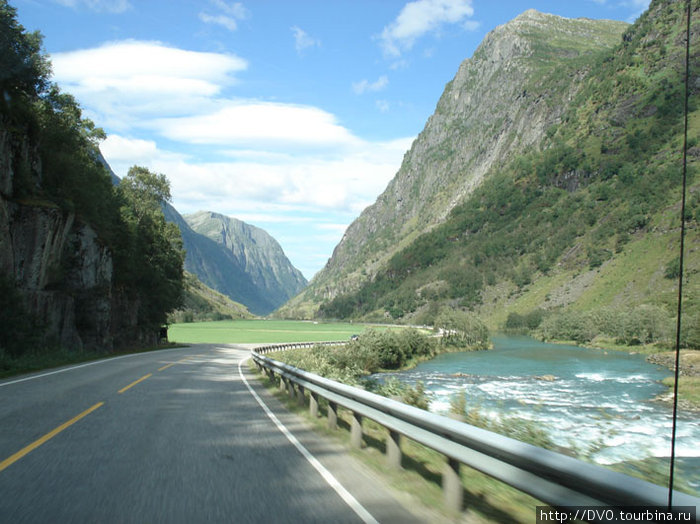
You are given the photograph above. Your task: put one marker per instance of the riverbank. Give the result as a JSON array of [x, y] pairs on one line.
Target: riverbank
[[688, 381]]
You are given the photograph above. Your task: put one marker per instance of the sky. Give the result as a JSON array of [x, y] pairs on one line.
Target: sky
[[291, 115]]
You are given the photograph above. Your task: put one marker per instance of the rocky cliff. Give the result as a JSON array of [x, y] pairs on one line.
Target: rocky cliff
[[502, 101], [55, 261]]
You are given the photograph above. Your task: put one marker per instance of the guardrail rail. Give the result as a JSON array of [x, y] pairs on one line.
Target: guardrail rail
[[553, 478]]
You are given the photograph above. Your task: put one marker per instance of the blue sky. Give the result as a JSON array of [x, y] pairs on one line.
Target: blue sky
[[290, 115]]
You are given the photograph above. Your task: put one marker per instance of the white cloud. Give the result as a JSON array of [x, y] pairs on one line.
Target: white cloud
[[222, 20], [419, 18], [228, 17], [109, 6], [254, 122], [383, 106], [471, 25], [302, 40], [129, 62], [235, 9], [364, 86], [347, 181], [123, 83]]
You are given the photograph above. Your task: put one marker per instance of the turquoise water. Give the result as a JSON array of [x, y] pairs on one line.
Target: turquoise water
[[597, 398]]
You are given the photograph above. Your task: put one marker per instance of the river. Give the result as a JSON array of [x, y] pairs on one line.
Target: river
[[587, 397]]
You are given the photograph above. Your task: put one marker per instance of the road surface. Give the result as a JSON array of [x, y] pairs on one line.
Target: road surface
[[171, 436]]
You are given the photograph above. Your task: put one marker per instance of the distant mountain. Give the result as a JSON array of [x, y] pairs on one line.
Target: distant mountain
[[240, 260], [548, 178]]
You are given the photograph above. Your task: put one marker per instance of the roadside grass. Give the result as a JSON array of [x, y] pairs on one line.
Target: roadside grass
[[485, 499], [46, 358], [264, 331]]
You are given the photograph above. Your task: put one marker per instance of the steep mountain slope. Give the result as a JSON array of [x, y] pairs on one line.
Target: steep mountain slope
[[239, 260], [517, 85], [586, 221]]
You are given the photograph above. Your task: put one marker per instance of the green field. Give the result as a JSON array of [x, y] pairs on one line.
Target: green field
[[262, 331]]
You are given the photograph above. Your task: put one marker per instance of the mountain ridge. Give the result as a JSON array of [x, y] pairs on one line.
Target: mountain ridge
[[514, 88], [240, 260]]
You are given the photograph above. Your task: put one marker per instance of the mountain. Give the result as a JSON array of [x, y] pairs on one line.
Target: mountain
[[548, 178], [247, 266], [239, 260], [202, 303], [504, 99]]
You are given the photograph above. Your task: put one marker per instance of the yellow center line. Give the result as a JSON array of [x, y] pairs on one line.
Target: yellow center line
[[173, 363], [122, 390], [31, 447]]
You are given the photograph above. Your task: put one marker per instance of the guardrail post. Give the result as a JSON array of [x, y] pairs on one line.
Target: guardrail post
[[332, 415], [393, 450], [290, 389], [300, 395], [452, 486], [356, 431], [283, 383], [313, 404]]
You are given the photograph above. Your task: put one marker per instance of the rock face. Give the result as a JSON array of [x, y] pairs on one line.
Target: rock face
[[501, 102], [237, 259], [57, 262]]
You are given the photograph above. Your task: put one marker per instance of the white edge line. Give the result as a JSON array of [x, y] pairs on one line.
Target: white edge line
[[102, 361], [351, 501]]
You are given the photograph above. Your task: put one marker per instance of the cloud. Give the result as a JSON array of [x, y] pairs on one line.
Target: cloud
[[254, 122], [383, 106], [222, 20], [339, 181], [124, 82], [364, 86], [302, 40], [235, 9], [229, 15], [419, 18], [109, 6]]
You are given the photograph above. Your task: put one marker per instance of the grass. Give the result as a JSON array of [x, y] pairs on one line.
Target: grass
[[485, 499], [263, 331]]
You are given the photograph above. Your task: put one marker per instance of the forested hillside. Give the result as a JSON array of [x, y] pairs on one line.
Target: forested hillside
[[584, 223], [83, 264]]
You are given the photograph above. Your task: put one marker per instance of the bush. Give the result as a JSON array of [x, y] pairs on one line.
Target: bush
[[462, 328]]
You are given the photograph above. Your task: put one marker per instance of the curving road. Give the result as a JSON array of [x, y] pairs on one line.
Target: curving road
[[171, 436]]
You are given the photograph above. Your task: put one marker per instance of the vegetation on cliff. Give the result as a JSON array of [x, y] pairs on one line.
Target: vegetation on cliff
[[53, 169]]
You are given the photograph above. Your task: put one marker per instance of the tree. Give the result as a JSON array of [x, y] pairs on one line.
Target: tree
[[153, 260], [462, 328], [24, 70]]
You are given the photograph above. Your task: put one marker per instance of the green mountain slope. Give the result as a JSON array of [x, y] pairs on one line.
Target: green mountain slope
[[502, 100], [201, 303], [586, 219]]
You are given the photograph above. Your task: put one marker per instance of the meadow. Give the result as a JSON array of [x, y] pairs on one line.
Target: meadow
[[262, 331]]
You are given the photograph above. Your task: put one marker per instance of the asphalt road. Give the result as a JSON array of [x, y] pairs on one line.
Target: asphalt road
[[171, 436]]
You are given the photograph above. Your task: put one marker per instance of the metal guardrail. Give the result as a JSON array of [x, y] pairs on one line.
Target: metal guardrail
[[295, 345], [553, 478]]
